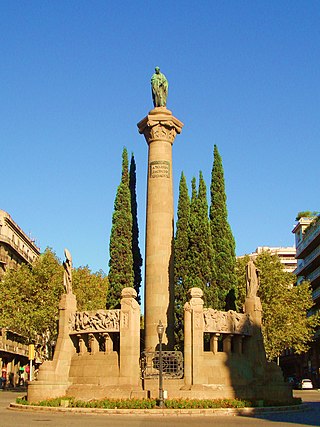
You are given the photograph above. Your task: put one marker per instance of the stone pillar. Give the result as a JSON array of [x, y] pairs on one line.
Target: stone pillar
[[227, 343], [82, 345], [53, 376], [187, 344], [193, 343], [129, 338], [254, 346], [93, 344], [108, 343], [238, 343], [214, 343], [159, 128]]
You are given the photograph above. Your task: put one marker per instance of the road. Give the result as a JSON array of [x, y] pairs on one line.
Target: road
[[10, 418]]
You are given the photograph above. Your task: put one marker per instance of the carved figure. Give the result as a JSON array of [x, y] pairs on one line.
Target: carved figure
[[159, 84], [101, 320], [226, 322], [67, 277], [252, 279]]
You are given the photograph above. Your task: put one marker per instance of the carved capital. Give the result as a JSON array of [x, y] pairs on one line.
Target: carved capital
[[161, 125]]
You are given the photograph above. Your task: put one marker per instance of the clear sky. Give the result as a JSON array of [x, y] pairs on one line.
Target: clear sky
[[75, 81]]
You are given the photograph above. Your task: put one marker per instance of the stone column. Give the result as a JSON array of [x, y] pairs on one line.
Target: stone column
[[238, 344], [193, 340], [82, 345], [129, 338], [160, 128], [214, 343], [227, 343]]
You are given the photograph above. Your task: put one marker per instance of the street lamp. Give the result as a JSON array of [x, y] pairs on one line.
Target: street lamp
[[160, 330]]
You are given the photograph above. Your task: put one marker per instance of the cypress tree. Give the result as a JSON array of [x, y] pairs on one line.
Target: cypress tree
[[200, 247], [136, 254], [222, 238], [121, 260], [181, 245]]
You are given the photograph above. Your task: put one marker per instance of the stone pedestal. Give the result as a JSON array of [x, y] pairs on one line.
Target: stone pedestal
[[129, 338], [160, 128], [53, 377]]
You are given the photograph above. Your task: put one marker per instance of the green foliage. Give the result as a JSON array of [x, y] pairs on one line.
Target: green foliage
[[206, 403], [306, 214], [143, 403], [200, 246], [181, 246], [152, 403], [89, 288], [285, 322], [29, 296], [137, 259], [121, 273], [224, 259]]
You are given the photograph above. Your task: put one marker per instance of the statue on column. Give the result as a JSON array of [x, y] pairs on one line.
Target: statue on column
[[252, 279], [159, 85], [67, 276]]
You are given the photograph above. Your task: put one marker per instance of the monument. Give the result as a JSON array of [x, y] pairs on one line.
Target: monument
[[98, 352], [159, 128]]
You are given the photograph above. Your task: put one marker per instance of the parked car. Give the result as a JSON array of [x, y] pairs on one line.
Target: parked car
[[305, 384]]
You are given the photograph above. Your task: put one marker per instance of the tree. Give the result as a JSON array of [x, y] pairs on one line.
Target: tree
[[30, 298], [30, 295], [136, 254], [284, 318], [224, 258], [89, 288], [181, 246], [121, 273], [200, 245]]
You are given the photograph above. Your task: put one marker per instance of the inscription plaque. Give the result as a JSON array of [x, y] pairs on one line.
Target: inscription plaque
[[160, 169]]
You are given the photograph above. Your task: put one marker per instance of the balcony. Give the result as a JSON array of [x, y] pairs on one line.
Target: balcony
[[307, 261], [316, 293], [13, 347], [314, 275], [308, 238], [17, 248]]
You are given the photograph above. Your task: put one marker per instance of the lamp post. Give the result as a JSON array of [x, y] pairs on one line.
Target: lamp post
[[160, 330]]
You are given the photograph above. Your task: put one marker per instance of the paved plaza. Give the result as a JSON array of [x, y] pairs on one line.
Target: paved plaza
[[9, 418]]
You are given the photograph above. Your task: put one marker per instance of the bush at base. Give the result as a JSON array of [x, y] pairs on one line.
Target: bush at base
[[153, 403]]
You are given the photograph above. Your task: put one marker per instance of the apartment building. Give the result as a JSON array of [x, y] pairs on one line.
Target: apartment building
[[287, 256], [307, 235], [15, 246]]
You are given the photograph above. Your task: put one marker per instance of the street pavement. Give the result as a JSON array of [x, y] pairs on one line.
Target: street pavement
[[14, 418]]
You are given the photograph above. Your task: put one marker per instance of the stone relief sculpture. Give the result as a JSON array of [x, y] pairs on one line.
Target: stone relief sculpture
[[67, 276], [101, 320], [159, 85], [226, 322], [252, 279]]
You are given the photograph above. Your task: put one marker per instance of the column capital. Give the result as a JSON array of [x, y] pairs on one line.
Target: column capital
[[161, 125]]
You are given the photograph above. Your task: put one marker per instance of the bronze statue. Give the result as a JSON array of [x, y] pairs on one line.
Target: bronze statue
[[252, 279], [159, 85], [67, 277]]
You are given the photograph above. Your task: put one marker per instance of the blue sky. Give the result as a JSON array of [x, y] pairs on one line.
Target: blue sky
[[75, 81]]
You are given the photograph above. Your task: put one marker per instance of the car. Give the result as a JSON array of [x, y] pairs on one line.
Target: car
[[306, 384]]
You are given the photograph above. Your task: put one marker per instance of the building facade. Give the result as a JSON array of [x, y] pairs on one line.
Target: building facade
[[287, 256], [307, 235], [15, 246]]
